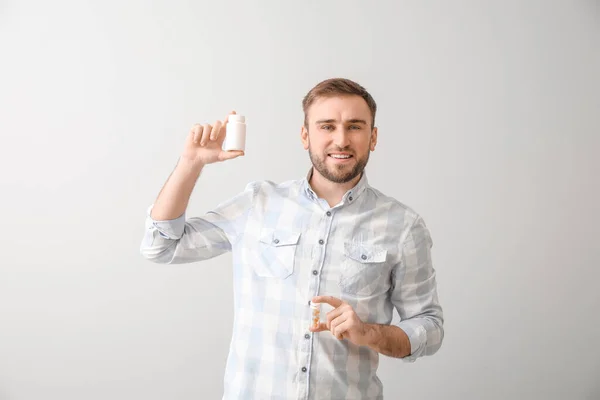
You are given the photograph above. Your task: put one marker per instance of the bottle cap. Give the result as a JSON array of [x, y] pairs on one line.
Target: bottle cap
[[236, 118]]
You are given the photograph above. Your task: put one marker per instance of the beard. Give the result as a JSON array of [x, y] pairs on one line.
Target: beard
[[338, 173]]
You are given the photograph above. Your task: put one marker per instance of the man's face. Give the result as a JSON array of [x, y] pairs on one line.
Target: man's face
[[339, 137]]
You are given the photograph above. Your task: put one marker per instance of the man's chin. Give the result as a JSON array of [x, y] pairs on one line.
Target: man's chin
[[340, 177]]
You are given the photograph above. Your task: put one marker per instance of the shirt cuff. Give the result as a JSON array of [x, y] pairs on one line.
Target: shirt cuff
[[417, 336], [169, 229]]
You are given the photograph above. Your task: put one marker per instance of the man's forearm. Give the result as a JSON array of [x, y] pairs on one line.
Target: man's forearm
[[175, 195], [388, 340]]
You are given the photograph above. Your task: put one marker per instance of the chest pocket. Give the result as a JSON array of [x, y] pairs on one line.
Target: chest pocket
[[364, 271], [276, 253]]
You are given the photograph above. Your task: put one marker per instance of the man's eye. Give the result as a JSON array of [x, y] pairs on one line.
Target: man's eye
[[327, 127], [355, 127]]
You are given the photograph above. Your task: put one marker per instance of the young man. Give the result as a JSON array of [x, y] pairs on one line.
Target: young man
[[328, 238]]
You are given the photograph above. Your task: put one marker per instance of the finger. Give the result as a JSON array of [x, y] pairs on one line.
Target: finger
[[228, 155], [196, 133], [335, 327], [322, 327], [206, 129], [332, 301], [337, 321], [215, 130], [333, 314], [222, 132], [226, 120], [340, 331]]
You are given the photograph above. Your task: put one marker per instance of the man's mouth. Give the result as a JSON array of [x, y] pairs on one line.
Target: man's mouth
[[340, 156]]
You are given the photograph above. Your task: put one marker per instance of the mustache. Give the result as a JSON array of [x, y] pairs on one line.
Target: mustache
[[341, 150]]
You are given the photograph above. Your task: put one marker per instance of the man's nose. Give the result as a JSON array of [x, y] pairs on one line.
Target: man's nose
[[341, 138]]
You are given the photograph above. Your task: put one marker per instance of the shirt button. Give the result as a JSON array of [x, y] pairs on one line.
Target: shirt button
[[363, 257], [315, 272], [321, 241], [329, 213], [307, 336], [350, 198], [303, 369]]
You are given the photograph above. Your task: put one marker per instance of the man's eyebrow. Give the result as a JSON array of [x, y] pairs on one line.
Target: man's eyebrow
[[357, 121], [350, 121]]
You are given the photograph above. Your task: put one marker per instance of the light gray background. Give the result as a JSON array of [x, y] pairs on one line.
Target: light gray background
[[489, 125]]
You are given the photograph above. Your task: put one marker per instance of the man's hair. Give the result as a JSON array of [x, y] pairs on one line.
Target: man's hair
[[338, 87]]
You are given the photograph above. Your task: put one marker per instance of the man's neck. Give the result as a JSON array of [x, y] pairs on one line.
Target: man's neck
[[330, 191]]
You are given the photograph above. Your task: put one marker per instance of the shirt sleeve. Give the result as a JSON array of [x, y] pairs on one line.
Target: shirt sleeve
[[185, 240], [415, 295]]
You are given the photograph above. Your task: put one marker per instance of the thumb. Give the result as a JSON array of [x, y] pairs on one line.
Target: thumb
[[228, 155], [322, 327]]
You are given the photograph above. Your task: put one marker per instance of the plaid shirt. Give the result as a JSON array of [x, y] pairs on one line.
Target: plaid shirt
[[287, 246]]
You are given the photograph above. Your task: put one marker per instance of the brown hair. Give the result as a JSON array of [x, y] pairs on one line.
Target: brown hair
[[336, 87]]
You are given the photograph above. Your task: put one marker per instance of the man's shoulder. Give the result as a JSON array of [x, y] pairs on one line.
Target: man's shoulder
[[393, 204]]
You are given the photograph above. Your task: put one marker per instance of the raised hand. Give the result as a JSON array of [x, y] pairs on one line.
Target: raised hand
[[204, 144]]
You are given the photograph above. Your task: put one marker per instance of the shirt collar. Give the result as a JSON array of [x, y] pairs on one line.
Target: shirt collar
[[350, 196]]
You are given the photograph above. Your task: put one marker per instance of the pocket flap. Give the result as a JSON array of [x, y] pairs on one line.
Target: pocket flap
[[279, 237], [365, 253]]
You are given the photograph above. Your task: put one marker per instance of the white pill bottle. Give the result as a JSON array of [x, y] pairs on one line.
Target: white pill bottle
[[235, 135]]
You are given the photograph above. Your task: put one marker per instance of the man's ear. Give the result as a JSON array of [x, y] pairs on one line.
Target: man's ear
[[304, 137], [373, 139]]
